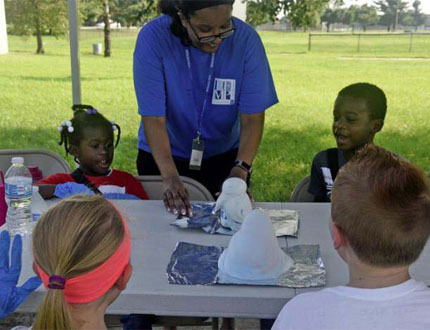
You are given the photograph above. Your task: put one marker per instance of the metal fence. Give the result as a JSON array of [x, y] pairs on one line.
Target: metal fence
[[405, 42]]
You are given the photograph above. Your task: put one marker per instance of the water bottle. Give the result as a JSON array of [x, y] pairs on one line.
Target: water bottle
[[18, 191], [38, 204]]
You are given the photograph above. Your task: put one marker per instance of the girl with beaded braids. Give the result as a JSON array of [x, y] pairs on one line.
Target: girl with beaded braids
[[89, 138]]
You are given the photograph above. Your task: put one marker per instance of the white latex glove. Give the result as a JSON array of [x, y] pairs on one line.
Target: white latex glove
[[234, 200]]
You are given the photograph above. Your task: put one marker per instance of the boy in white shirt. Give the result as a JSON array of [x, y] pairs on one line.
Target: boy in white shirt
[[380, 223]]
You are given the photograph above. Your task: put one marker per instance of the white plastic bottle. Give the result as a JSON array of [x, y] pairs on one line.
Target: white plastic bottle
[[38, 204], [18, 191]]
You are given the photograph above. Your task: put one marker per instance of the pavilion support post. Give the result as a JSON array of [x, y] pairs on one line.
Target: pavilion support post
[[74, 50], [3, 32]]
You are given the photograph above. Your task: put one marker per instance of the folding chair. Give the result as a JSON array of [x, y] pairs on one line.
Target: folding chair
[[300, 193], [48, 162], [153, 185]]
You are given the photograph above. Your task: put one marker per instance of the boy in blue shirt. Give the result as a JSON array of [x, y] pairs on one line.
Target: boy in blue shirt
[[359, 113]]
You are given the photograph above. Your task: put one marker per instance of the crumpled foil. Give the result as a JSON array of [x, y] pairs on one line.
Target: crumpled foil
[[285, 222], [194, 264]]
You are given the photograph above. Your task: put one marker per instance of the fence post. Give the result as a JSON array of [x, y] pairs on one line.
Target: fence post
[[410, 41], [309, 42], [358, 42]]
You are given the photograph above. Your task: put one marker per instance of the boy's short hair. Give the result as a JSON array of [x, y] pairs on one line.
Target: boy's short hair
[[374, 96], [382, 205]]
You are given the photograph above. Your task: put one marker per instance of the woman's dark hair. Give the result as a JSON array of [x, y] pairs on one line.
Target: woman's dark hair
[[84, 116], [187, 8]]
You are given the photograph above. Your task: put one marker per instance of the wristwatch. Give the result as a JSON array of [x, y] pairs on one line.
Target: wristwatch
[[243, 165]]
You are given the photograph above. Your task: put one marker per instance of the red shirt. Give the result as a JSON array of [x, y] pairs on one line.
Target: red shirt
[[114, 178]]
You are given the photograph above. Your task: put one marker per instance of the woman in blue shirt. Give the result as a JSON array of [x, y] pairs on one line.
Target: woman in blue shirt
[[202, 82]]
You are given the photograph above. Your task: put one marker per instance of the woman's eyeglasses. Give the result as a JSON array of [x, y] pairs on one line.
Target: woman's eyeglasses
[[212, 38]]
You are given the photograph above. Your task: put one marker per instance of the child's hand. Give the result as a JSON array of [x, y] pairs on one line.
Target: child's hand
[[67, 189]]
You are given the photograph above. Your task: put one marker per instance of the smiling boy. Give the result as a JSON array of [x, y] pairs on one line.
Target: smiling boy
[[359, 113]]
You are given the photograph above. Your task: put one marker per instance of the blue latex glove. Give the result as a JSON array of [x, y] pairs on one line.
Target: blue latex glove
[[67, 189], [120, 196], [11, 296]]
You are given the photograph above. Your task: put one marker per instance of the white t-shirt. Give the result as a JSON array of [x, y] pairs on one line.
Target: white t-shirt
[[403, 306]]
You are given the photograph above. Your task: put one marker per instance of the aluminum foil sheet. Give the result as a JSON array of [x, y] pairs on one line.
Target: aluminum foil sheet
[[193, 264], [285, 222]]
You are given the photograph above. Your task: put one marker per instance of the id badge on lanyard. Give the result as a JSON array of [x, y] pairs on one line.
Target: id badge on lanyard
[[197, 154], [198, 145]]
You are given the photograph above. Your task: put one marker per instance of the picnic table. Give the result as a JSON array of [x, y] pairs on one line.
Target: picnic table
[[154, 239]]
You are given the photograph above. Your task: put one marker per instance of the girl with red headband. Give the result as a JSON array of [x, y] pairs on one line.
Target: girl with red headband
[[82, 255]]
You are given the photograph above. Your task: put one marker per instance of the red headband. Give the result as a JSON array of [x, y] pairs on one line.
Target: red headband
[[90, 286]]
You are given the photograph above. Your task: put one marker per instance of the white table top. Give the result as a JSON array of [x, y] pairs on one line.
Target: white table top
[[154, 239]]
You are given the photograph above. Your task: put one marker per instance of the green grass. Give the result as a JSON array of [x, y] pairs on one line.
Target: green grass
[[35, 96]]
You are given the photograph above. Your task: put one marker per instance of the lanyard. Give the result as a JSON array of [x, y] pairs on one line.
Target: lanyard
[[211, 71]]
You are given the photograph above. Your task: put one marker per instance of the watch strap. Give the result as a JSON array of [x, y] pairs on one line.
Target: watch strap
[[243, 165]]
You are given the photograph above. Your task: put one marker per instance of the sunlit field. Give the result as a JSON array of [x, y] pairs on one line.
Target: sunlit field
[[35, 96]]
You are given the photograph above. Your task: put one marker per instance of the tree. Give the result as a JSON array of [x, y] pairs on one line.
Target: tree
[[419, 17], [261, 11], [38, 18], [135, 12], [304, 13], [106, 21], [127, 12], [367, 15], [391, 10], [407, 18], [331, 16], [301, 13], [350, 16]]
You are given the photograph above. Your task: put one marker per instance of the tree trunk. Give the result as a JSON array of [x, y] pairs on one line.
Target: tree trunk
[[328, 27], [396, 20], [107, 28], [39, 49]]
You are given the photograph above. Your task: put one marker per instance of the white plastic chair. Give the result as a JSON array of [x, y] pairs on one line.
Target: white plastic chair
[[153, 185], [48, 162]]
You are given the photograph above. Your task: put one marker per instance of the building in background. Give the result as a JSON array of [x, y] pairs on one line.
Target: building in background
[[3, 32], [239, 10]]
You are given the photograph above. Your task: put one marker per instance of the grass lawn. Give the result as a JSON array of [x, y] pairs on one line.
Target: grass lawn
[[35, 96]]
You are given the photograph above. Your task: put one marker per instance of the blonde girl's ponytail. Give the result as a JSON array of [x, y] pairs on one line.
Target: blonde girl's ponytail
[[72, 238], [53, 312]]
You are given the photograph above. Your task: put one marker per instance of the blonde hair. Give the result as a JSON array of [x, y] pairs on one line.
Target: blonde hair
[[382, 205], [72, 238]]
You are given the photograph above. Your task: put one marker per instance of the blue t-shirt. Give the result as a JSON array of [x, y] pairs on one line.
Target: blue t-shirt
[[241, 81]]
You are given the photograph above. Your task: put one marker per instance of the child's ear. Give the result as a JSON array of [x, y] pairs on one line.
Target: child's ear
[[377, 125], [73, 150], [122, 281], [337, 236]]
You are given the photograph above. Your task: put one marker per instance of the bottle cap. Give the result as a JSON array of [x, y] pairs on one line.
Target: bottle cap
[[17, 160]]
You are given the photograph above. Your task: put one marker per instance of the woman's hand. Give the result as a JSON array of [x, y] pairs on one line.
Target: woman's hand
[[238, 172], [176, 198], [12, 296]]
